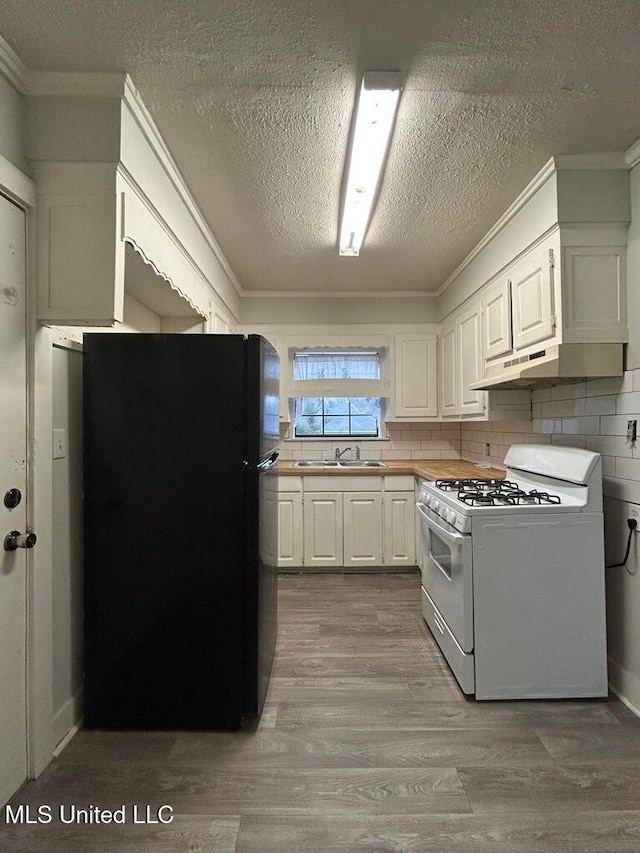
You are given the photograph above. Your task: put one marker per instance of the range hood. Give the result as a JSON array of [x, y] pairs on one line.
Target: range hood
[[556, 365]]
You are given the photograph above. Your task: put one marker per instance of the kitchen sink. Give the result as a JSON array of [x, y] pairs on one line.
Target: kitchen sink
[[364, 464], [316, 464], [331, 463]]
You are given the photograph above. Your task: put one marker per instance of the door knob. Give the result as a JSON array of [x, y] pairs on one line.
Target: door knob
[[15, 540]]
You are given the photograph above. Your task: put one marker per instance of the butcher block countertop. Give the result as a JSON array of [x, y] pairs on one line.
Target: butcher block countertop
[[430, 469]]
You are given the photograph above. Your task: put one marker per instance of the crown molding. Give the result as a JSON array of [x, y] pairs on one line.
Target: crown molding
[[607, 161], [345, 294], [12, 67], [632, 155], [76, 83]]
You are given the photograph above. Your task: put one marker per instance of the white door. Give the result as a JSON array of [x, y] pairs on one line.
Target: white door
[[13, 476], [363, 529], [323, 529]]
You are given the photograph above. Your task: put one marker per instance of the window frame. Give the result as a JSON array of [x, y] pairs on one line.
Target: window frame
[[349, 415]]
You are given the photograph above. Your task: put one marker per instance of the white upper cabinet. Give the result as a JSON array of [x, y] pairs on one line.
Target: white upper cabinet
[[496, 318], [416, 394], [532, 297], [469, 329], [460, 363], [448, 367]]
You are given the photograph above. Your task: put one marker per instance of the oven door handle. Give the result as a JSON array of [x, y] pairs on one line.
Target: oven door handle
[[447, 535]]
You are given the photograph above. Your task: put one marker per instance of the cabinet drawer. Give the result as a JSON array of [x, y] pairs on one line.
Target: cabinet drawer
[[399, 483], [342, 483], [462, 664], [289, 484]]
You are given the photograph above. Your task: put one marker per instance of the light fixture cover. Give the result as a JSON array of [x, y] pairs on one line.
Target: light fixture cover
[[373, 123]]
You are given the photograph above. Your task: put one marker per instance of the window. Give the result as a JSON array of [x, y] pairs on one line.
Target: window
[[340, 414]]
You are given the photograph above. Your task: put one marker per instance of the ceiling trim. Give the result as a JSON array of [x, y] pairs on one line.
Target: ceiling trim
[[632, 155], [344, 294], [76, 83], [152, 134], [12, 67]]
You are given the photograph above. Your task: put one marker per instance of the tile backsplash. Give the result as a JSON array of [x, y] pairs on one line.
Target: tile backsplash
[[591, 414], [405, 441]]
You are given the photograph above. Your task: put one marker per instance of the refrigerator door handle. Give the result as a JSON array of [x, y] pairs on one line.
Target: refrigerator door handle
[[266, 465]]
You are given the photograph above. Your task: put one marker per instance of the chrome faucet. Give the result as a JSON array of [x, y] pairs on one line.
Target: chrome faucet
[[340, 453]]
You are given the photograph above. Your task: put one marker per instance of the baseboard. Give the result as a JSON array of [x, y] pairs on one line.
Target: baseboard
[[348, 570], [68, 717], [625, 686]]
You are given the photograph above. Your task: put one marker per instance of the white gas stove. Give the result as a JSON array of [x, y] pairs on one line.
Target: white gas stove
[[513, 575]]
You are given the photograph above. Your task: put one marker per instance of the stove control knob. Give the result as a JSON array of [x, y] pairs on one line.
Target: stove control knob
[[435, 506]]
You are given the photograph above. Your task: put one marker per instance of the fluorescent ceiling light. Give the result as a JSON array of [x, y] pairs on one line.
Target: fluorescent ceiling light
[[373, 123]]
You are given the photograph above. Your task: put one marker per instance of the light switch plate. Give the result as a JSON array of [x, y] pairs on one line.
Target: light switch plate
[[59, 443]]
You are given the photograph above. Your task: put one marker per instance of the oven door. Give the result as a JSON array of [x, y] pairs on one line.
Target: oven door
[[446, 566]]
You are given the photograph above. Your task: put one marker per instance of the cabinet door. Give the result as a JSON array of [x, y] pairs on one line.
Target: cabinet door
[[290, 529], [362, 528], [399, 529], [219, 323], [532, 298], [416, 376], [323, 529], [496, 319], [470, 361], [448, 370]]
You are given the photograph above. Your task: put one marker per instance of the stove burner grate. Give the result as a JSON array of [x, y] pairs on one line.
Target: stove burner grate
[[474, 484]]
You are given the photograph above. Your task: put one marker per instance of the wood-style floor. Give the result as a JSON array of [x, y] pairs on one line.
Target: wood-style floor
[[366, 744]]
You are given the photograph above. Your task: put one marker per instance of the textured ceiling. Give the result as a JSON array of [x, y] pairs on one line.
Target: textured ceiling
[[254, 99]]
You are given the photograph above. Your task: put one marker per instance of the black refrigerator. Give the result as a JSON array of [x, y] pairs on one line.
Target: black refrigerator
[[180, 529]]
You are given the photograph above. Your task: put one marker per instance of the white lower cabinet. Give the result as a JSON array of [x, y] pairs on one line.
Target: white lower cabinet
[[290, 528], [290, 522], [323, 529], [399, 529], [346, 522], [362, 528]]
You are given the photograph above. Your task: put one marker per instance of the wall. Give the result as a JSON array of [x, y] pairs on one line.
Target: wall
[[406, 441], [67, 543], [256, 310]]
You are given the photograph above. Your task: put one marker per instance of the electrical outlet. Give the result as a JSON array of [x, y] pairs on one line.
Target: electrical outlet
[[59, 443], [487, 449], [634, 513]]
